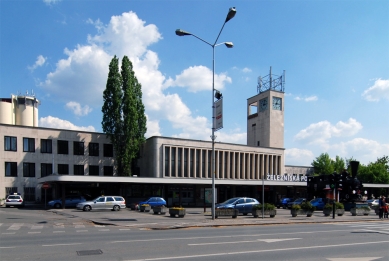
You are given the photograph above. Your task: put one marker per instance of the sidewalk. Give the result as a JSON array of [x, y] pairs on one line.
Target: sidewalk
[[195, 217]]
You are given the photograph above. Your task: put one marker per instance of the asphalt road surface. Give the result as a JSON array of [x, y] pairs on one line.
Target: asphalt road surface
[[38, 235]]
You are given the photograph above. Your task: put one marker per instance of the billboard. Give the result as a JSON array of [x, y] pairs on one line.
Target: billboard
[[218, 120]]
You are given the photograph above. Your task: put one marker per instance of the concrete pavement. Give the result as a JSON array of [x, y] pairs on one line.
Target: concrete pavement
[[195, 217]]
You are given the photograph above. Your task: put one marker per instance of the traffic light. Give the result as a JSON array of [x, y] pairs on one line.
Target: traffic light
[[338, 181], [331, 180]]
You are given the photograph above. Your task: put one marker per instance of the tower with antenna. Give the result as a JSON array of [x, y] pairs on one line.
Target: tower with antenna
[[265, 112]]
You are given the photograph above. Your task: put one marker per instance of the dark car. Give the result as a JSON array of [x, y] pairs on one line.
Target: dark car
[[283, 203], [243, 204], [70, 201], [154, 201], [296, 202]]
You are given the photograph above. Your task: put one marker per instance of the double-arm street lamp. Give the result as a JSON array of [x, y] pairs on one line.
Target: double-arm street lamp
[[179, 32]]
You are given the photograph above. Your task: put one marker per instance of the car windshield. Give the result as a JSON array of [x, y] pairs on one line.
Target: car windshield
[[299, 200], [315, 200], [230, 201]]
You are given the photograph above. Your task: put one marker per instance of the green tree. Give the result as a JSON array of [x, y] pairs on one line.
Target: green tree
[[124, 119], [375, 172], [323, 164], [338, 164]]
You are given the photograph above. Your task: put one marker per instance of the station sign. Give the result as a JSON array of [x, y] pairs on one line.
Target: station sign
[[287, 177]]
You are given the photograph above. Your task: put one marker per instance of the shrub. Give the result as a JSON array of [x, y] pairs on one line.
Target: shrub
[[329, 206], [296, 207], [307, 206], [266, 206], [339, 205], [178, 208]]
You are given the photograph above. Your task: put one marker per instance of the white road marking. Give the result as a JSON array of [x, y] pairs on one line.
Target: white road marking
[[37, 227], [36, 232], [15, 226], [354, 259], [82, 231], [7, 247], [58, 231], [124, 229], [99, 226], [237, 242], [104, 229], [59, 225], [10, 233], [70, 244], [258, 251]]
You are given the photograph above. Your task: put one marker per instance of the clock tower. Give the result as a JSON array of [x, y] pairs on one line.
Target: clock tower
[[265, 113]]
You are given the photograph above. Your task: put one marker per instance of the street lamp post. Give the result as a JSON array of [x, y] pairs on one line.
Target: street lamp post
[[179, 32]]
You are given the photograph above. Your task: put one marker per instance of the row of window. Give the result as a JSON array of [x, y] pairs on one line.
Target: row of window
[[47, 169], [10, 144]]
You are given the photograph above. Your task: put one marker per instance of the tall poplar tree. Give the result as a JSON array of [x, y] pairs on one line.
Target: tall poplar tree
[[124, 119]]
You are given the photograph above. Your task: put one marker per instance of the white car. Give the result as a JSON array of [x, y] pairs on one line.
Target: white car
[[372, 202], [15, 200], [114, 203]]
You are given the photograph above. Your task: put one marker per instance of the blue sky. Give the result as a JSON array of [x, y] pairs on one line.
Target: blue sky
[[335, 54]]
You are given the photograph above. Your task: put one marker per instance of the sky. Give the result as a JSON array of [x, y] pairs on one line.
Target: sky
[[335, 55]]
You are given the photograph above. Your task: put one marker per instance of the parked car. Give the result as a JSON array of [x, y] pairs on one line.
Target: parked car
[[70, 201], [243, 204], [372, 202], [15, 200], [153, 201], [114, 203], [296, 202], [318, 203], [283, 203]]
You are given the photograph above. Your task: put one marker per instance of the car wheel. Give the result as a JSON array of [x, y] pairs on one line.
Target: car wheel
[[57, 205], [116, 208], [7, 206], [87, 208], [244, 214]]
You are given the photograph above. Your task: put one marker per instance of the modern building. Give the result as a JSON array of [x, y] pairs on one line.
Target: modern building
[[77, 162]]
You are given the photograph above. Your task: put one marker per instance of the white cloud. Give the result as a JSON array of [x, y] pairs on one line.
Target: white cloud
[[380, 90], [153, 128], [246, 70], [198, 78], [300, 157], [40, 60], [81, 77], [321, 132], [77, 109], [306, 99], [56, 123], [50, 2]]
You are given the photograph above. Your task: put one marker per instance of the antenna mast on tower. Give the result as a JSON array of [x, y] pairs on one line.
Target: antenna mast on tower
[[271, 82]]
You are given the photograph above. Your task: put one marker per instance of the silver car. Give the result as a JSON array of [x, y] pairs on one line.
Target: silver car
[[114, 203], [15, 200]]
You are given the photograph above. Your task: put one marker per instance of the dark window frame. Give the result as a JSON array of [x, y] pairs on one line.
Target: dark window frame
[[13, 169], [46, 146], [28, 169], [108, 150], [78, 148], [78, 170], [46, 169], [94, 170], [61, 148], [108, 171], [63, 169], [28, 144], [94, 149], [10, 143]]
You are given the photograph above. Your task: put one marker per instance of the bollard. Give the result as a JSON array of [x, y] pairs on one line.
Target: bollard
[[333, 210]]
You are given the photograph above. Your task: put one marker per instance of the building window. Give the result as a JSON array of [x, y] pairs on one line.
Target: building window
[[108, 171], [79, 170], [11, 169], [93, 170], [46, 169], [63, 169], [108, 150], [10, 143], [46, 146], [10, 190], [63, 147], [28, 144], [29, 194], [28, 169], [78, 148], [93, 149]]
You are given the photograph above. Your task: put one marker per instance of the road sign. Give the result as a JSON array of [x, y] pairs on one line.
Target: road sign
[[45, 185]]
